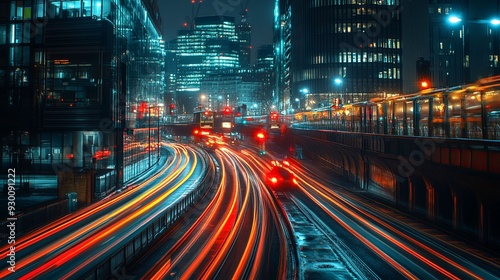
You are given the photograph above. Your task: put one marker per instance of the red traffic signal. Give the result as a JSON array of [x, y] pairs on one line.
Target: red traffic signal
[[424, 84], [261, 136], [172, 109], [226, 111], [423, 73]]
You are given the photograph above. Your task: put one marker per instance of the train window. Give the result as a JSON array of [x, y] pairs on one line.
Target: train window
[[381, 118], [473, 113], [409, 117], [390, 117], [454, 112], [438, 112], [399, 118], [424, 117], [374, 120], [356, 119], [492, 103]]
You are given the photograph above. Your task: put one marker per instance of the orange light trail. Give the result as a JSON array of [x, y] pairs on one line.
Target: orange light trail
[[101, 221], [232, 233], [74, 218], [69, 254], [329, 197], [162, 267]]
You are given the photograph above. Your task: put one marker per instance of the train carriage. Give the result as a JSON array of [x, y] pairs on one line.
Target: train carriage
[[469, 111]]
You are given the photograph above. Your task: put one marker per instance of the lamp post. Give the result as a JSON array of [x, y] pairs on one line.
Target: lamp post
[[340, 82], [303, 91], [298, 100]]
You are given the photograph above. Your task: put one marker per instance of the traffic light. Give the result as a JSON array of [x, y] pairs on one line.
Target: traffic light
[[261, 139], [172, 109], [261, 136], [424, 84], [423, 73], [274, 116]]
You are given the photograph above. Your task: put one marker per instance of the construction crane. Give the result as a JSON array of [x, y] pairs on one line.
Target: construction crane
[[244, 10], [195, 8]]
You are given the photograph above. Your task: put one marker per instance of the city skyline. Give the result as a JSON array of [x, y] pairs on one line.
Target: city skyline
[[260, 16], [355, 139]]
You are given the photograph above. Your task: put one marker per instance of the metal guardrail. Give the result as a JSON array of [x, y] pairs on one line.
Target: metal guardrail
[[30, 220]]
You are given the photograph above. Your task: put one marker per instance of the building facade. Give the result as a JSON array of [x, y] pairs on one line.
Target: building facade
[[464, 42], [348, 49], [211, 47], [80, 87], [228, 90], [244, 30], [264, 74], [353, 49]]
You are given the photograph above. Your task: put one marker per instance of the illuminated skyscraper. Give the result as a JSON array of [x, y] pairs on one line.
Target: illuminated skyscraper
[[244, 30], [355, 42], [464, 40], [74, 76], [211, 47]]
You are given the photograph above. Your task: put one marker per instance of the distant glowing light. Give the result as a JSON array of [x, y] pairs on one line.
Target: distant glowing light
[[495, 21], [454, 19]]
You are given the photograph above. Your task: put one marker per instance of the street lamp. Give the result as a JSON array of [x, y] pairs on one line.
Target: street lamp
[[458, 20], [454, 19], [306, 92], [339, 82], [298, 100]]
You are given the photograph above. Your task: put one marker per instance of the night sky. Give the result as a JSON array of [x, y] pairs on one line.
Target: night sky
[[260, 15]]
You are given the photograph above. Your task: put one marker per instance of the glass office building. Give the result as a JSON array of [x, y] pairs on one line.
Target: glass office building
[[348, 49], [80, 88], [464, 40], [211, 47], [244, 30]]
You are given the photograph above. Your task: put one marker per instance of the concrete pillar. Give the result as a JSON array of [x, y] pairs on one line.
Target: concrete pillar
[[431, 203], [411, 195], [455, 217]]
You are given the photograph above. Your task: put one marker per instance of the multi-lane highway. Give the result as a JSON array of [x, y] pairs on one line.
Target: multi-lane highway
[[240, 228], [70, 246], [236, 233], [377, 241]]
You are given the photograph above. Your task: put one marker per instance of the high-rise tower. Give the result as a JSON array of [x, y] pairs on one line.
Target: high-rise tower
[[244, 30], [355, 43], [211, 47], [464, 40]]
